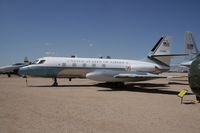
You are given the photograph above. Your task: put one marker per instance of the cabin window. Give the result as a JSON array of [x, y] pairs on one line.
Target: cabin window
[[105, 61], [84, 65], [63, 64], [74, 65], [103, 65], [93, 65]]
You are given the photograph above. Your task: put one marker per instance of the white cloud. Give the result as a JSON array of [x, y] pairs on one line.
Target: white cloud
[[50, 53], [46, 44], [88, 42], [91, 44]]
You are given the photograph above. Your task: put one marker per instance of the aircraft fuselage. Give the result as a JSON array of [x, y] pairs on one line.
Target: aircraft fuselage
[[91, 68]]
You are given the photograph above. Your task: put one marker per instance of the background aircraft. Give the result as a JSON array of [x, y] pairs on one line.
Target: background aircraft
[[190, 49], [13, 69], [108, 70], [191, 52]]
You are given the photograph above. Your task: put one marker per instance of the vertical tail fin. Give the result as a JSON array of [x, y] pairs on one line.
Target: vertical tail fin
[[190, 49], [162, 47], [161, 51], [190, 46], [26, 59]]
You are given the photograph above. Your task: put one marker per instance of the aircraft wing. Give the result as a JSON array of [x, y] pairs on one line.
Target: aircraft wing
[[140, 76]]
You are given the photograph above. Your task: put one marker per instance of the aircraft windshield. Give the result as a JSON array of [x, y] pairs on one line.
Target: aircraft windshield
[[35, 62], [41, 61]]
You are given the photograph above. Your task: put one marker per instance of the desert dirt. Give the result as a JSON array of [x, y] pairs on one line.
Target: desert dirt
[[85, 106]]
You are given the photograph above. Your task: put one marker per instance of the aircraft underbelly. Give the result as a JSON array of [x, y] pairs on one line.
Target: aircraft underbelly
[[134, 79], [72, 73]]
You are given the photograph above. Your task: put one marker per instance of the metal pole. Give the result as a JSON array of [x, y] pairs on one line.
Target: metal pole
[[26, 82], [181, 100]]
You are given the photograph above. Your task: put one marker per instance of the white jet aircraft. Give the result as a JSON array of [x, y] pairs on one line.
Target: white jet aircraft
[[108, 70]]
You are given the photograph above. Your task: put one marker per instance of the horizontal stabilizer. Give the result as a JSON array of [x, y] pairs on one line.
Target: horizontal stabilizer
[[170, 55]]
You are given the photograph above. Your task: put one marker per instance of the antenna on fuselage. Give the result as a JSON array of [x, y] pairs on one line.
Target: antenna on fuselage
[[108, 57], [73, 56]]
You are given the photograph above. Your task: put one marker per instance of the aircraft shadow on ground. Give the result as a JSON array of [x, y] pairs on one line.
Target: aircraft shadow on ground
[[105, 85], [132, 87], [61, 86], [183, 80], [143, 88], [177, 83]]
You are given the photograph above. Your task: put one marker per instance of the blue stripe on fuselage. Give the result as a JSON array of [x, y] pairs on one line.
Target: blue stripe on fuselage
[[44, 71]]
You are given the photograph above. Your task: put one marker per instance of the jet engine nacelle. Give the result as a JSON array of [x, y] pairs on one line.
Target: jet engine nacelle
[[194, 77], [103, 75]]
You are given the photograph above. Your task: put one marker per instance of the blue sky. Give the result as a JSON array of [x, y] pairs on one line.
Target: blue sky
[[91, 28]]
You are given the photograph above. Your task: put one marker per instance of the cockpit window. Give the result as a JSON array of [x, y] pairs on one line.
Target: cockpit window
[[41, 61], [35, 62], [38, 61]]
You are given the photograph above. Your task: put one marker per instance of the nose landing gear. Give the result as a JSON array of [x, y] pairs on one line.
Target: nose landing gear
[[55, 82]]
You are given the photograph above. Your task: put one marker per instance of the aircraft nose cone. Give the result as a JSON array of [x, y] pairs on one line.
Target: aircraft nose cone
[[23, 71]]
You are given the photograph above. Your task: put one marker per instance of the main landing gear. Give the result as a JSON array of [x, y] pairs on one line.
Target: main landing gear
[[55, 82], [9, 75]]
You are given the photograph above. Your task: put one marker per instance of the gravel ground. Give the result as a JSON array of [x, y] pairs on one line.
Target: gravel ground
[[85, 106]]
